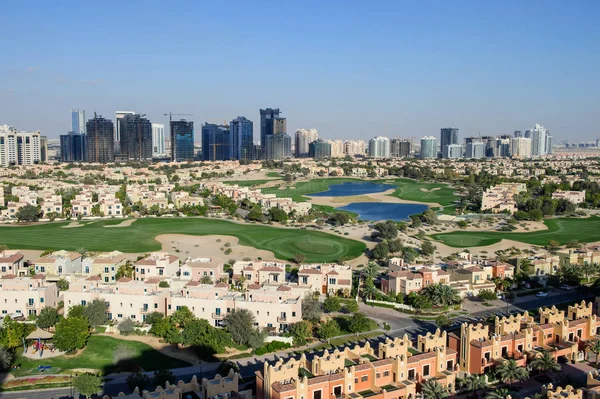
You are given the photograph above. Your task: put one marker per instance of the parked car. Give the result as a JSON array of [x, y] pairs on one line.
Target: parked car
[[541, 294], [565, 287]]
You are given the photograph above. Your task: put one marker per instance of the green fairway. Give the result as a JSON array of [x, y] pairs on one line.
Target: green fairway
[[407, 189], [561, 230], [140, 237], [248, 183], [99, 355]]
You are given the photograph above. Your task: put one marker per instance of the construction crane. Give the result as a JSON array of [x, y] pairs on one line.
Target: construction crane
[[173, 144]]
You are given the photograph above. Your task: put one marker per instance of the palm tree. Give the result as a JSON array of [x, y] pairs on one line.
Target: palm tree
[[594, 347], [433, 390], [589, 269], [510, 372], [441, 295], [501, 393], [370, 271], [473, 383], [545, 363]]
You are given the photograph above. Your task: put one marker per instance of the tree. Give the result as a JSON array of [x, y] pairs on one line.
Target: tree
[[486, 295], [473, 383], [509, 372], [395, 245], [125, 270], [442, 321], [545, 363], [381, 250], [427, 248], [76, 311], [28, 213], [153, 317], [441, 295], [300, 331], [62, 284], [409, 254], [312, 308], [328, 330], [387, 230], [359, 323], [239, 324], [208, 339], [429, 217], [419, 302], [87, 384], [350, 307], [594, 347], [139, 380], [278, 215], [332, 304], [12, 333], [206, 280], [432, 389], [552, 245], [47, 318], [162, 376], [6, 358], [126, 327], [71, 333], [164, 284], [501, 393], [340, 218], [95, 312], [182, 316]]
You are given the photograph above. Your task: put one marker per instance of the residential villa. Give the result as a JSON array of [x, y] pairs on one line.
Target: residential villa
[[500, 198], [26, 295], [156, 265], [196, 268], [576, 197], [12, 263], [104, 264], [59, 263]]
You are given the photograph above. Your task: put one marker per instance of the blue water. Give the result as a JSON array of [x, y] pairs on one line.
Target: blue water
[[350, 188], [384, 211]]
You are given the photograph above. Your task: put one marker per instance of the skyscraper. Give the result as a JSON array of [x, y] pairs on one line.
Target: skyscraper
[[182, 140], [319, 149], [118, 116], [355, 147], [448, 135], [538, 141], [520, 147], [242, 135], [379, 147], [136, 138], [518, 133], [400, 147], [158, 139], [99, 144], [428, 147], [216, 142], [452, 151], [278, 146], [78, 121], [337, 148], [267, 119], [72, 147], [475, 149], [18, 147], [303, 138], [548, 143]]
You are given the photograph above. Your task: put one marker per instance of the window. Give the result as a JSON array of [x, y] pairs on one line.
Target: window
[[42, 300], [332, 280], [186, 273], [304, 280], [386, 373], [87, 270], [364, 378], [426, 370], [83, 302], [60, 270], [356, 380], [120, 315]]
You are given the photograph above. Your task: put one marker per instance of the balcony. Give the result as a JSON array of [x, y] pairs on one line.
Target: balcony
[[30, 305], [145, 310], [282, 319], [218, 316]]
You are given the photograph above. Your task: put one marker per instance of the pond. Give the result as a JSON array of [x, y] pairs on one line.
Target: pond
[[376, 211], [354, 188]]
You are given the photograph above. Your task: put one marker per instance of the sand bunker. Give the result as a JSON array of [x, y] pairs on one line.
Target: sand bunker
[[429, 190], [186, 246], [72, 225], [353, 198], [124, 223]]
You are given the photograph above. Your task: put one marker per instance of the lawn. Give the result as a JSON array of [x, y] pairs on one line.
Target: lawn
[[560, 229], [98, 355], [140, 237], [409, 190]]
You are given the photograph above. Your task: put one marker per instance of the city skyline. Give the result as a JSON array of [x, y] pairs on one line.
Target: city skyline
[[479, 73]]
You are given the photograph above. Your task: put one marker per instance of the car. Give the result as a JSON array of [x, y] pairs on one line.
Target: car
[[541, 294], [565, 287]]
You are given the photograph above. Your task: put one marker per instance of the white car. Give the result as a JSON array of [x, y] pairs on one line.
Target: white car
[[565, 287], [541, 294]]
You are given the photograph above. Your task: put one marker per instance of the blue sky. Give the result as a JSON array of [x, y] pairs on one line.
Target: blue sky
[[352, 69]]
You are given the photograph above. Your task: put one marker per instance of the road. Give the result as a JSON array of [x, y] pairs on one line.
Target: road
[[400, 324]]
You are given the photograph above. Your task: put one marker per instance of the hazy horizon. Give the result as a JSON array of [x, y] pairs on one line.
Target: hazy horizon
[[352, 70]]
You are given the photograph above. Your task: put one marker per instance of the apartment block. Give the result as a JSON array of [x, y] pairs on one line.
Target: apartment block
[[576, 197], [407, 281], [520, 337], [395, 370], [105, 265], [157, 264], [12, 263], [500, 198], [26, 295]]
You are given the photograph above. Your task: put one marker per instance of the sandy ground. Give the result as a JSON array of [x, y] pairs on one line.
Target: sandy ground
[[429, 190], [185, 354], [72, 225], [205, 246], [376, 197], [124, 223]]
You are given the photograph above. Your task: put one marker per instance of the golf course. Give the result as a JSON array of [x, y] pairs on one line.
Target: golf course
[[140, 237], [406, 189], [560, 230]]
